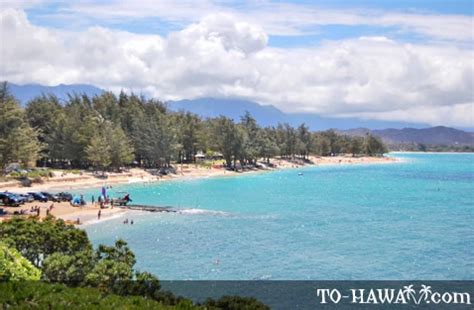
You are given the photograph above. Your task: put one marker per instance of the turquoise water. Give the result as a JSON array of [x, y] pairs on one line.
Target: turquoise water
[[409, 220]]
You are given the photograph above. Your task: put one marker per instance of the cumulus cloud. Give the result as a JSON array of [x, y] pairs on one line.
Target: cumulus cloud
[[276, 17], [221, 56]]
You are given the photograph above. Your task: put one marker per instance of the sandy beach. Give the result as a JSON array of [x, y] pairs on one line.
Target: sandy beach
[[68, 181], [63, 210]]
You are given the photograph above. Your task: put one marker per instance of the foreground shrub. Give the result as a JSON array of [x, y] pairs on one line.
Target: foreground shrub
[[36, 240], [14, 267], [235, 303], [40, 295]]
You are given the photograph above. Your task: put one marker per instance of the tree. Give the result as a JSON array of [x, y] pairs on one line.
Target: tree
[[332, 138], [121, 149], [324, 146], [70, 269], [110, 276], [356, 145], [227, 139], [118, 253], [286, 139], [374, 146], [18, 140], [305, 143], [36, 240], [98, 152], [188, 135], [268, 146], [65, 255], [44, 114], [157, 137], [250, 137], [14, 267]]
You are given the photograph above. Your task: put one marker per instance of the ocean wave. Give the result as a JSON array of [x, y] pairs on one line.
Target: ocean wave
[[106, 217], [193, 211]]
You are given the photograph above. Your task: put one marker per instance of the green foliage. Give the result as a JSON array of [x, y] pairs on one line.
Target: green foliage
[[121, 149], [356, 145], [36, 240], [108, 132], [190, 136], [14, 267], [70, 269], [235, 303], [98, 151], [226, 138], [18, 140], [374, 146], [118, 253], [40, 295], [110, 276]]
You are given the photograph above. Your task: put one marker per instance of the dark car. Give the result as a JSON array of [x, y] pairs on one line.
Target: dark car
[[10, 199], [38, 196], [18, 197], [52, 197], [64, 196], [28, 197]]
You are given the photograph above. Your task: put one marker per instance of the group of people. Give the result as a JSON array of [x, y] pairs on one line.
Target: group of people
[[103, 201], [126, 222], [34, 210]]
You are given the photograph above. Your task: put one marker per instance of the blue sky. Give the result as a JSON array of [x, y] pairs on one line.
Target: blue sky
[[64, 15], [382, 60]]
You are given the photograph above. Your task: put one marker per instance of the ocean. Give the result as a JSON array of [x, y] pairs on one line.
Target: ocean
[[407, 220]]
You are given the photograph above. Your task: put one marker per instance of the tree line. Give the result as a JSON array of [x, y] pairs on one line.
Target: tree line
[[109, 131]]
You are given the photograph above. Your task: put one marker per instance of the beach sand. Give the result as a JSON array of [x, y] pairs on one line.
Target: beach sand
[[65, 211], [68, 181]]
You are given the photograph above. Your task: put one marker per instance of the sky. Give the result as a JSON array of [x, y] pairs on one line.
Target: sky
[[402, 60]]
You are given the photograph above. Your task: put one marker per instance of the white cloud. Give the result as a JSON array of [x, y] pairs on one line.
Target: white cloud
[[278, 18], [220, 56]]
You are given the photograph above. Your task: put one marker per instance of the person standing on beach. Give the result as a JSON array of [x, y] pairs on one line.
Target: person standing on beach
[[93, 199], [98, 214]]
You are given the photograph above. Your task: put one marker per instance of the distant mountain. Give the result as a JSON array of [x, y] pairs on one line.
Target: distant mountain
[[26, 92], [439, 135], [268, 115]]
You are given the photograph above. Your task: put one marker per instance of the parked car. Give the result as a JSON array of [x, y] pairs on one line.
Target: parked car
[[10, 199], [63, 196], [20, 198], [38, 196], [52, 197], [28, 197]]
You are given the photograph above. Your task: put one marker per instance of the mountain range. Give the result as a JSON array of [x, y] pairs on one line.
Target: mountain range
[[439, 135], [268, 115]]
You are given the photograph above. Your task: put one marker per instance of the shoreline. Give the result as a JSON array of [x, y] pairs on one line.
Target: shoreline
[[88, 213], [190, 172]]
